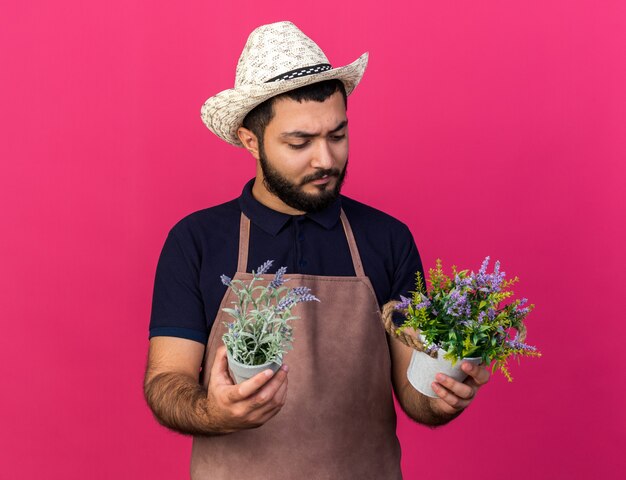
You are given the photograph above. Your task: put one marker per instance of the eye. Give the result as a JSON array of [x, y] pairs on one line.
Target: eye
[[337, 138], [298, 146]]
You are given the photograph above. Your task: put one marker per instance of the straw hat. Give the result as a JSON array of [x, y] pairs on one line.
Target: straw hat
[[276, 58]]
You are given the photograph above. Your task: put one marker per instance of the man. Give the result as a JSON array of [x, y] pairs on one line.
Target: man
[[328, 412]]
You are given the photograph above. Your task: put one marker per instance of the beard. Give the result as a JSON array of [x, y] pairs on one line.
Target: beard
[[293, 195]]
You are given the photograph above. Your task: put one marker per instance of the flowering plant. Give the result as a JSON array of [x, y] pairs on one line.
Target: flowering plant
[[463, 316], [260, 332]]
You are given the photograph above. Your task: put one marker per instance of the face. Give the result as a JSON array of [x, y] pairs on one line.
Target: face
[[304, 158]]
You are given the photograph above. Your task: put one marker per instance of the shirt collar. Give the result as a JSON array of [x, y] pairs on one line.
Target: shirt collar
[[272, 221]]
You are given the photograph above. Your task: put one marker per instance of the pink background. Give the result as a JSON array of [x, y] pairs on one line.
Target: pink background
[[490, 128]]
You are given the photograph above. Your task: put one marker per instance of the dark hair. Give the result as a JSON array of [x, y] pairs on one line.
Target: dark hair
[[262, 114]]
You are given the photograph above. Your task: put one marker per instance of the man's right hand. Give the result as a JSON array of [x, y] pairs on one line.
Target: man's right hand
[[179, 401], [232, 407]]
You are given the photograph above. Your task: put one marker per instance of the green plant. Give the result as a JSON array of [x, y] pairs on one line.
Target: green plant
[[260, 332], [464, 317]]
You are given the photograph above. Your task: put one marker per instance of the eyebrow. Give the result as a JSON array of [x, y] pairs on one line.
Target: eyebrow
[[301, 134]]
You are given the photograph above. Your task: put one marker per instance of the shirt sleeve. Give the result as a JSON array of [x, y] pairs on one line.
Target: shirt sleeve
[[177, 305], [408, 265]]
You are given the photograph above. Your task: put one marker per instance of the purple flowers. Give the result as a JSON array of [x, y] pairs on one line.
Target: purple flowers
[[304, 294], [522, 311], [457, 304], [301, 291], [497, 278], [463, 282], [487, 282], [263, 268], [296, 295], [463, 314], [285, 303], [484, 265], [517, 345], [308, 298], [278, 278], [260, 332], [425, 303], [404, 303]]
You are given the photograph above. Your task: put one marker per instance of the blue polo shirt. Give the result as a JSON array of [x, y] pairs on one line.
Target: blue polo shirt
[[204, 245]]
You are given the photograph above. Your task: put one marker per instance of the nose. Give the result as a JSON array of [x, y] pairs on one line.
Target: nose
[[323, 156]]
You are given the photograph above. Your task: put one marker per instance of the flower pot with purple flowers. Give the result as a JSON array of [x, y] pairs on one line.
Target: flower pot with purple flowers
[[423, 368], [260, 332], [468, 316]]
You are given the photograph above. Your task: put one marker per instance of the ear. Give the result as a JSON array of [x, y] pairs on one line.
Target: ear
[[249, 141]]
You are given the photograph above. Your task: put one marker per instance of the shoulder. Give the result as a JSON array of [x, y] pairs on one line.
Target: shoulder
[[207, 234], [207, 222]]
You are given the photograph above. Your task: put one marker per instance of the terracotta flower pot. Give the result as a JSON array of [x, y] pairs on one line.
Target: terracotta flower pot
[[240, 372], [423, 368]]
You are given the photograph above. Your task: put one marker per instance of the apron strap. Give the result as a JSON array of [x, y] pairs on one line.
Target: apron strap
[[244, 243], [354, 250]]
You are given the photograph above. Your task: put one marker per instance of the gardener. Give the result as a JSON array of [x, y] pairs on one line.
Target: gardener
[[327, 413]]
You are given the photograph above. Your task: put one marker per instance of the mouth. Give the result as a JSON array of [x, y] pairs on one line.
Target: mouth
[[321, 181], [321, 178]]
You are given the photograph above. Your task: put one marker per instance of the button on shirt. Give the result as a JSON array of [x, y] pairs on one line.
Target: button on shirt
[[203, 245]]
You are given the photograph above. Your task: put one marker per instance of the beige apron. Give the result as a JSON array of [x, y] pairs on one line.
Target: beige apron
[[338, 421]]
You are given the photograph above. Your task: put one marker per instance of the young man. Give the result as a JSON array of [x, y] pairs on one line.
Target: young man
[[328, 412]]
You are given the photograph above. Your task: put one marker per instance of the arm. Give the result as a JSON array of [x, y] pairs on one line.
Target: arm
[[454, 397], [178, 401]]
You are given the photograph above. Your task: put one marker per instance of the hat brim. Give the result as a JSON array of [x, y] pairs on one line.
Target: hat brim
[[223, 113]]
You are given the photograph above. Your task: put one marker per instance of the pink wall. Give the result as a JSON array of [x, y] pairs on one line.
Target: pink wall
[[488, 127]]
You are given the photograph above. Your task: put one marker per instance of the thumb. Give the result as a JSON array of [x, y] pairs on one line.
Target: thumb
[[219, 369]]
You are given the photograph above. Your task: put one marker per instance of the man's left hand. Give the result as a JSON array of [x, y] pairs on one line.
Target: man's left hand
[[456, 396]]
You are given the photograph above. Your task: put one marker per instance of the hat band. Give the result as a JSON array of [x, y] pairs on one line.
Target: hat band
[[301, 72]]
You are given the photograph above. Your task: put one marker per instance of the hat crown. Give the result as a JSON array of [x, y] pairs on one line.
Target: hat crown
[[274, 49]]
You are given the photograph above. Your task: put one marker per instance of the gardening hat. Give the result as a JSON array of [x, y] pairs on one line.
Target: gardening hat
[[276, 58]]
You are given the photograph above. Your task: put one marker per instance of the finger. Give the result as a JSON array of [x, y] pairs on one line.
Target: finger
[[268, 393], [267, 415], [461, 390], [479, 373], [282, 393], [254, 384], [250, 386], [219, 369], [454, 402], [274, 406]]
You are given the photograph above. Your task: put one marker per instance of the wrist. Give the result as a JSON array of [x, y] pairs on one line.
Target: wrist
[[212, 422]]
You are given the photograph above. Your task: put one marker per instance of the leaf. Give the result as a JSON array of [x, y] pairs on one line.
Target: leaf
[[247, 335], [452, 357], [232, 312]]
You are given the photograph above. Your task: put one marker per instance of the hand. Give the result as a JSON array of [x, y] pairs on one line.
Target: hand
[[247, 405], [456, 396]]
